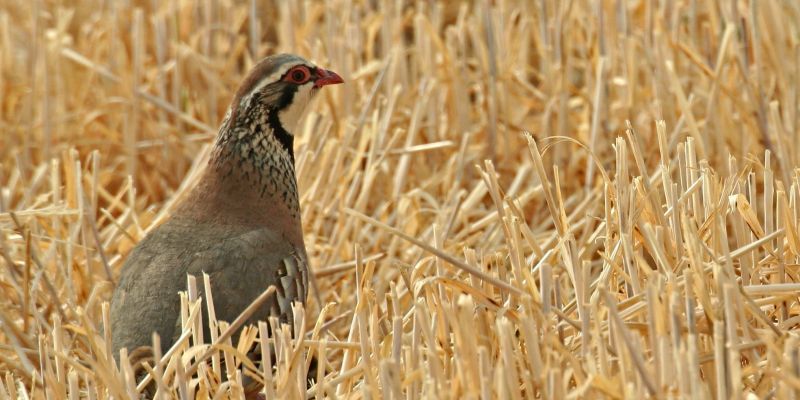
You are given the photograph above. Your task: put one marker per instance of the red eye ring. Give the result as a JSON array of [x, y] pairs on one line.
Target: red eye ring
[[298, 75]]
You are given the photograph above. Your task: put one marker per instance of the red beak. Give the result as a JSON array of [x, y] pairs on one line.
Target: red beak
[[327, 77]]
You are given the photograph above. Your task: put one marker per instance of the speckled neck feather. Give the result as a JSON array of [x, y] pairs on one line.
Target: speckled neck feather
[[257, 150], [250, 178]]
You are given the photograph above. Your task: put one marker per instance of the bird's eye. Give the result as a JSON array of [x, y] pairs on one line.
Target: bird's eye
[[298, 75]]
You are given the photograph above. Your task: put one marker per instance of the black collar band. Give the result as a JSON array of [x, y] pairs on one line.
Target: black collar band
[[284, 137]]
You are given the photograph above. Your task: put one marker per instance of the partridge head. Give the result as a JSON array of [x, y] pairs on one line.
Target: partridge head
[[240, 224]]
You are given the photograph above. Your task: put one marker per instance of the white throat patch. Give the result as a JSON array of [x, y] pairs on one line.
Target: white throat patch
[[290, 115]]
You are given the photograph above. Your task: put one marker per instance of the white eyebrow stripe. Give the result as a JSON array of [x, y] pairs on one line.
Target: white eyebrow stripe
[[267, 80]]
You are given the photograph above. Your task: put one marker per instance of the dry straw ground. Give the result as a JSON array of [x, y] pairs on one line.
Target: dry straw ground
[[642, 242]]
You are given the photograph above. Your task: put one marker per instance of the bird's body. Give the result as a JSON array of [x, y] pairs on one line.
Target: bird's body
[[240, 224]]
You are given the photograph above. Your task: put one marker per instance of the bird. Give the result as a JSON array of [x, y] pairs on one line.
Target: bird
[[240, 224]]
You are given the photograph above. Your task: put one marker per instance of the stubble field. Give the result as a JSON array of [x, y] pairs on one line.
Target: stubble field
[[506, 199]]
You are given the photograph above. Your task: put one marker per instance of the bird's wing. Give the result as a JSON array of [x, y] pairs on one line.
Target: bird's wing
[[241, 265]]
